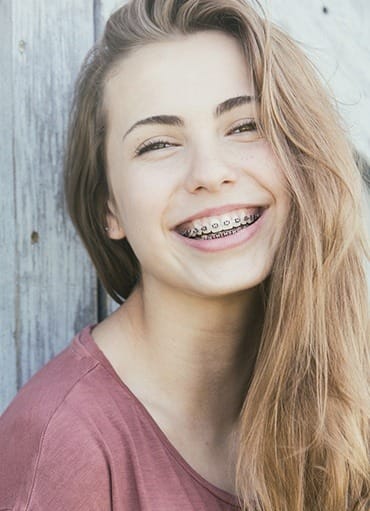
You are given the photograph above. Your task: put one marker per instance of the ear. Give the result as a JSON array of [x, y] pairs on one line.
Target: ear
[[114, 229]]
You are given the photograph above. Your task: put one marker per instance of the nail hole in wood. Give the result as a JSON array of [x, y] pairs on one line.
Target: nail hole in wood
[[325, 10], [22, 46], [34, 237]]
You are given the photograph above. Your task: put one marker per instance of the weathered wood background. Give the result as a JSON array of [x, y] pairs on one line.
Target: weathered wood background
[[48, 288]]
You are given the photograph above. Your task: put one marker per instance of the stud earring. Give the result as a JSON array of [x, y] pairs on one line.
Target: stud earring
[[106, 228]]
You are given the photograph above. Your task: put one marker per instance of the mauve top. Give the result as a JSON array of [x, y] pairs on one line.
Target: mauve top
[[75, 438]]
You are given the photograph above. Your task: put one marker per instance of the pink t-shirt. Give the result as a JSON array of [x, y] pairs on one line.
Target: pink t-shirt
[[76, 438]]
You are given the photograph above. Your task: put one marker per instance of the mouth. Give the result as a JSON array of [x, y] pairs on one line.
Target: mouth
[[220, 226]]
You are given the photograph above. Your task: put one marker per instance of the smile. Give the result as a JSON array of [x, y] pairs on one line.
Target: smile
[[220, 226], [222, 232]]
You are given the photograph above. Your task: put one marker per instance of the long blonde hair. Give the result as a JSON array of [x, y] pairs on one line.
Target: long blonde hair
[[304, 425]]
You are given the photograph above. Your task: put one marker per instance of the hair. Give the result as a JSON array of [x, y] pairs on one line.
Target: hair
[[303, 440]]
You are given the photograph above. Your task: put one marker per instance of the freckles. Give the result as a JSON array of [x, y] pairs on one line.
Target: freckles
[[255, 161], [247, 157]]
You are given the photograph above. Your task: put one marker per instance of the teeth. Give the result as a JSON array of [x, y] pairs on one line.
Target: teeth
[[216, 225], [244, 219], [198, 227], [223, 223], [251, 218], [226, 222], [206, 227], [237, 219]]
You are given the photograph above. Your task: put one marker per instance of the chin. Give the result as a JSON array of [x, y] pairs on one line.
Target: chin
[[218, 289]]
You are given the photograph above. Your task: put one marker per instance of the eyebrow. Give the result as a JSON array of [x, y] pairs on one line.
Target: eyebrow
[[174, 120]]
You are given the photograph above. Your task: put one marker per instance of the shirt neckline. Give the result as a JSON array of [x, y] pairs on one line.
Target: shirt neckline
[[85, 338]]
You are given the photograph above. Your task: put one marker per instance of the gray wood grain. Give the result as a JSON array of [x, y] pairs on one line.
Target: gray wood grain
[[55, 291], [8, 273]]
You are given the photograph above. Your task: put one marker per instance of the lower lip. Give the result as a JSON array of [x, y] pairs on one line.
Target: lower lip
[[231, 241]]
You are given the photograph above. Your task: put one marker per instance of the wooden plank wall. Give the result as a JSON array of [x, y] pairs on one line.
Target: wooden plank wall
[[48, 288]]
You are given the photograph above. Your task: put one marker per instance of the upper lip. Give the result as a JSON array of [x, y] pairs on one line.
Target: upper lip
[[218, 211]]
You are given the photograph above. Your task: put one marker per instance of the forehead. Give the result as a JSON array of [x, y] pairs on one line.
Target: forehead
[[180, 75]]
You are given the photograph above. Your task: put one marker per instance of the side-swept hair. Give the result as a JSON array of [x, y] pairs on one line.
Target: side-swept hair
[[304, 425]]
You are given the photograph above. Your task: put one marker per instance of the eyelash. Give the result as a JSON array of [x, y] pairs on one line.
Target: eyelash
[[149, 146]]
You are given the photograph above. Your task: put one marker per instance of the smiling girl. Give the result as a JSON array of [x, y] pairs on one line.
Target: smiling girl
[[213, 186]]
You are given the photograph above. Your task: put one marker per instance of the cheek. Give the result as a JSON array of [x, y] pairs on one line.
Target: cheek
[[142, 205], [271, 173], [151, 184]]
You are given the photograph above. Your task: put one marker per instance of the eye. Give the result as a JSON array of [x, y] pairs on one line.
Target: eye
[[153, 146], [245, 126]]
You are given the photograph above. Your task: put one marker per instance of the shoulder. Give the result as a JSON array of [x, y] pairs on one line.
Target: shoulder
[[52, 436], [40, 398]]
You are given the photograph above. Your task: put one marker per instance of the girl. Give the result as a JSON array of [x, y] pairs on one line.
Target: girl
[[213, 186]]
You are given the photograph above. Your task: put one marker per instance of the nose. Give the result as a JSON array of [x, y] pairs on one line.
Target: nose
[[208, 171]]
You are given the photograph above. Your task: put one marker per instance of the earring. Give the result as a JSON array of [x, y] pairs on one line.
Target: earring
[[106, 228]]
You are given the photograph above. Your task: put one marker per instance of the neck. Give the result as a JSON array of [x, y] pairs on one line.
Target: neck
[[198, 352]]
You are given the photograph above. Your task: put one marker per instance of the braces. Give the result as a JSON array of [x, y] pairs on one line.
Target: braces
[[222, 234], [197, 233]]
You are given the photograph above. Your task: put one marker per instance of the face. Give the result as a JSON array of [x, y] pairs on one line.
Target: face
[[197, 192]]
